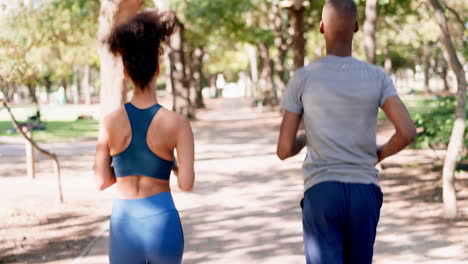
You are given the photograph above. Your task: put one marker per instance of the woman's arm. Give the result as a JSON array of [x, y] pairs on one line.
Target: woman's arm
[[289, 143], [405, 131], [104, 173], [185, 156]]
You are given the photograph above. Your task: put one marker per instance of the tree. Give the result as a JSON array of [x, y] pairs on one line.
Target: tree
[[426, 48], [370, 27], [456, 138], [51, 155], [40, 30], [297, 12], [113, 84], [55, 36], [280, 24], [176, 63]]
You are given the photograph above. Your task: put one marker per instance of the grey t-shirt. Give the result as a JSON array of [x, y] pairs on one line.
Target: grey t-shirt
[[339, 98]]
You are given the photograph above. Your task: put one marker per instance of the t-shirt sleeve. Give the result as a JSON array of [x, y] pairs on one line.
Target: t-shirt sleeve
[[291, 100], [388, 89]]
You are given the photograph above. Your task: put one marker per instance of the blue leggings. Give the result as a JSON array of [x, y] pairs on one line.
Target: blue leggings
[[340, 222], [146, 231]]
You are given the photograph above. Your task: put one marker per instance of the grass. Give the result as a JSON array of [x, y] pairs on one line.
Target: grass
[[61, 122], [414, 104], [59, 131]]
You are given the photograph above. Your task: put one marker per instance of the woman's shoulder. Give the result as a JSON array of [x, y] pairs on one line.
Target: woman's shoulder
[[173, 119], [115, 118]]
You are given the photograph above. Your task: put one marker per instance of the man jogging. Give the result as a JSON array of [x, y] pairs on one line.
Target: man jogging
[[338, 98]]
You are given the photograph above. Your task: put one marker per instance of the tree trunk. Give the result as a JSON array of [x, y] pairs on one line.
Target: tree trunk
[[388, 67], [442, 70], [30, 159], [370, 27], [64, 84], [170, 78], [197, 76], [113, 88], [253, 70], [458, 131], [281, 44], [75, 94], [270, 96], [32, 93], [85, 89], [297, 12], [48, 87], [9, 91], [444, 75], [427, 66], [180, 72], [177, 57]]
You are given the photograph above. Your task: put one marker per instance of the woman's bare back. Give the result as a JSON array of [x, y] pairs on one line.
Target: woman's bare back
[[161, 139]]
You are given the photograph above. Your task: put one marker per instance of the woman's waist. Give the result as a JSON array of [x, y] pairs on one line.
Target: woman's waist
[[139, 187], [144, 207]]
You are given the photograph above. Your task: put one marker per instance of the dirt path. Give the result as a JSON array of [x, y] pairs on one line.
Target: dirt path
[[245, 206]]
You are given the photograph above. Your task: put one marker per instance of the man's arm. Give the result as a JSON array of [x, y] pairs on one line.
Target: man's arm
[[405, 131], [289, 143]]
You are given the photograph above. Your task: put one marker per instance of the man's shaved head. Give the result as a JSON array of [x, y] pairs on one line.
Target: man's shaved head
[[339, 19], [343, 7]]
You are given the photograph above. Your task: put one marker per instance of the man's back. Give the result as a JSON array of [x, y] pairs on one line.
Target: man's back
[[339, 98]]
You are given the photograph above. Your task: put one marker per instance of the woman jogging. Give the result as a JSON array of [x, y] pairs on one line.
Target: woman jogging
[[135, 151]]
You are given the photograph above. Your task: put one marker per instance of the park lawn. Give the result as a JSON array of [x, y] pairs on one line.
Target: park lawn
[[59, 131], [61, 122]]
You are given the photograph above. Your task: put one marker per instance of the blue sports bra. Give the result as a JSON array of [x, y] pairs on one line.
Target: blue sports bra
[[137, 158]]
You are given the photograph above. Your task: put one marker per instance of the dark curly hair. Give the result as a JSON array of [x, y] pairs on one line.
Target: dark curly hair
[[139, 43]]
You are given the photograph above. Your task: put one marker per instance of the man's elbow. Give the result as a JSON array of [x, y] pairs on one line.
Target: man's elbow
[[409, 135]]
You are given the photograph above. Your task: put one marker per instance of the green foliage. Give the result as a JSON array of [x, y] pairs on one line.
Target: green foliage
[[437, 124], [45, 39]]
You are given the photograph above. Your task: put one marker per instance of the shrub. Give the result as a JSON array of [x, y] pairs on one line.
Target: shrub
[[437, 124]]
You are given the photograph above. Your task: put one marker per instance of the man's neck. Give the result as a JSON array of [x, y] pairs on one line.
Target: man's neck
[[340, 49]]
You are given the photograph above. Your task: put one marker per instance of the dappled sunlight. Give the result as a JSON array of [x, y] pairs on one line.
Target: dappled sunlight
[[247, 201], [411, 229], [244, 206]]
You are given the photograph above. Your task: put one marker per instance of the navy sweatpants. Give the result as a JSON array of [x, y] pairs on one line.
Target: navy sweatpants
[[340, 222]]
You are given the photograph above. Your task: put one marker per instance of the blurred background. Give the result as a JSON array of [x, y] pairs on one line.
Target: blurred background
[[225, 68]]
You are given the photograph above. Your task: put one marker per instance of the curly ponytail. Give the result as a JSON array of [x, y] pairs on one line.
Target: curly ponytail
[[139, 43]]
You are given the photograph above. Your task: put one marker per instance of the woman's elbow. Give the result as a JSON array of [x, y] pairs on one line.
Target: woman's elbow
[[186, 187], [186, 183], [100, 180], [100, 183], [282, 154]]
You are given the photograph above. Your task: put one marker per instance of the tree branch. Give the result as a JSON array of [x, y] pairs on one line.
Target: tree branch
[[51, 155], [18, 128], [457, 16]]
